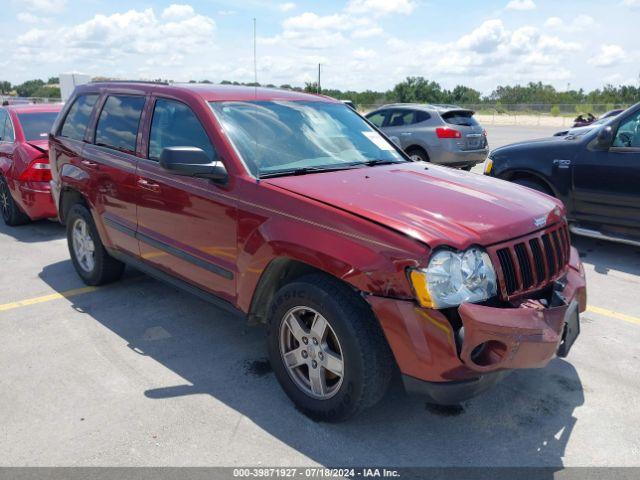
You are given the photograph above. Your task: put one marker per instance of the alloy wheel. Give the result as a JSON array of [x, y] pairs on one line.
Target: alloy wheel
[[311, 352], [83, 245], [5, 204]]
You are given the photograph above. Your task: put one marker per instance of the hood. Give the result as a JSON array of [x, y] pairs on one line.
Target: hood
[[435, 205]]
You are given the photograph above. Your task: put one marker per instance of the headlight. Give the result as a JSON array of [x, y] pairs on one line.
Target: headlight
[[453, 278]]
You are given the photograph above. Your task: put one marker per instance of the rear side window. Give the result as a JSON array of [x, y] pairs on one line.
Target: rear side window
[[6, 127], [75, 125], [175, 125], [463, 119], [421, 116], [377, 118], [36, 126], [3, 119], [118, 123], [400, 118]]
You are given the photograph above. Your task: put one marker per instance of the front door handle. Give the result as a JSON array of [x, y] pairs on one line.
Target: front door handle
[[406, 134], [147, 185], [90, 164]]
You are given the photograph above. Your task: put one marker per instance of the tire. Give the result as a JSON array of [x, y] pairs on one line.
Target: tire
[[417, 154], [533, 184], [11, 213], [467, 168], [352, 335], [102, 268]]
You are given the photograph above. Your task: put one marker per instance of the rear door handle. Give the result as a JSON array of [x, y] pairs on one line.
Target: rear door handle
[[89, 164], [406, 134], [147, 185]]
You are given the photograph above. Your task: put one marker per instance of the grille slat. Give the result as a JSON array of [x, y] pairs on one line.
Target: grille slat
[[534, 261]]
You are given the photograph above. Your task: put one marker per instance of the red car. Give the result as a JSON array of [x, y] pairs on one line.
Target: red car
[[292, 210], [25, 193]]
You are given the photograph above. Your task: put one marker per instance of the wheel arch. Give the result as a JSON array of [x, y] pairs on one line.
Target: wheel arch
[[69, 196], [416, 146], [513, 175]]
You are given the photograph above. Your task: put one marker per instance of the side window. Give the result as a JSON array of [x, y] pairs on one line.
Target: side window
[[175, 125], [400, 118], [3, 119], [77, 120], [8, 135], [118, 123], [377, 118], [421, 116], [628, 134]]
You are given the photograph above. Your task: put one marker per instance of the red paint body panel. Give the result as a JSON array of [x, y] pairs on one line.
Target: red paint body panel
[[364, 226], [33, 198]]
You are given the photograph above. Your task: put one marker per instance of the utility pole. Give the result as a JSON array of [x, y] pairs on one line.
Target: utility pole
[[255, 57], [319, 88]]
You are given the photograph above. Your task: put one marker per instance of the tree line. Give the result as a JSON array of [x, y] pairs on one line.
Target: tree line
[[413, 90]]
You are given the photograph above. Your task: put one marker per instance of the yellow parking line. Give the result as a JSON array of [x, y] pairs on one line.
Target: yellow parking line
[[80, 291], [612, 314], [47, 298]]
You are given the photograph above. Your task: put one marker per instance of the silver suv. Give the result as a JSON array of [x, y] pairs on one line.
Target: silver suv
[[443, 134]]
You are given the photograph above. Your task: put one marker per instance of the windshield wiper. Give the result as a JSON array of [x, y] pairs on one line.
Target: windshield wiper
[[373, 163], [304, 171]]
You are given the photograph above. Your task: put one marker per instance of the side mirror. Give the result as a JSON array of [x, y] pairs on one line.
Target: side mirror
[[605, 137], [192, 162]]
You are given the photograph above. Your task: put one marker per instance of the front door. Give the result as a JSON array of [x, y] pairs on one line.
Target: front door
[[606, 184], [186, 226]]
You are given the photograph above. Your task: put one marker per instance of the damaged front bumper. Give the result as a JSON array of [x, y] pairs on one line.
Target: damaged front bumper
[[453, 356]]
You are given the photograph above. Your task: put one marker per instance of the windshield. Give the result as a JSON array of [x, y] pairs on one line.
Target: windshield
[[283, 137], [36, 126]]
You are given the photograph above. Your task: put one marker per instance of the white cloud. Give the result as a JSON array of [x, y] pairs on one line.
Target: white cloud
[[285, 7], [177, 11], [43, 6], [27, 17], [485, 38], [580, 23], [367, 32], [521, 5], [631, 3], [379, 8], [364, 54], [609, 56]]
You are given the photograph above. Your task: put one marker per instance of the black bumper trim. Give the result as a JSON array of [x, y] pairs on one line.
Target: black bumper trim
[[452, 393]]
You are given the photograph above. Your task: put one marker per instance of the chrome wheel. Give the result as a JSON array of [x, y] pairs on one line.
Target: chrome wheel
[[311, 352], [83, 245], [416, 158]]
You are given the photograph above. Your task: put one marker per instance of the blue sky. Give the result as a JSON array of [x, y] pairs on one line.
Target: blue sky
[[361, 43]]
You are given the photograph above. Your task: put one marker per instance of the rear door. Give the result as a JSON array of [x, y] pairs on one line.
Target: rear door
[[398, 124], [7, 144], [473, 137], [187, 226], [111, 162], [606, 184]]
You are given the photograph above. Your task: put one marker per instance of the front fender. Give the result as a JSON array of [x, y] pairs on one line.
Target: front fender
[[367, 267]]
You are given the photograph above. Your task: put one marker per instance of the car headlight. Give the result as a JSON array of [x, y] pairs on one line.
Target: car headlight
[[452, 278]]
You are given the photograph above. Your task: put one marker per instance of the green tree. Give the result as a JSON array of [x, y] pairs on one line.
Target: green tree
[[28, 88], [5, 87]]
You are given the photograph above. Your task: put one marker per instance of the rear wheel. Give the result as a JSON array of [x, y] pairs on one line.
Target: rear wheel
[[90, 259], [11, 213], [326, 349], [417, 154], [533, 184]]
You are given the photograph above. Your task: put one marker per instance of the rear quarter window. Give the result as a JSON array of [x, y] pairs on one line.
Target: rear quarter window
[[118, 123], [77, 120], [463, 119]]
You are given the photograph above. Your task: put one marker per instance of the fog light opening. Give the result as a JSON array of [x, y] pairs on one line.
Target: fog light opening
[[489, 353]]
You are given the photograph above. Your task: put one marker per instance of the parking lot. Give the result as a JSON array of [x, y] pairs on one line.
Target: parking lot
[[138, 373]]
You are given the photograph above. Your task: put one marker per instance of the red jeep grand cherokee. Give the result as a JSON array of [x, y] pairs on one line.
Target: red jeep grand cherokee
[[293, 210]]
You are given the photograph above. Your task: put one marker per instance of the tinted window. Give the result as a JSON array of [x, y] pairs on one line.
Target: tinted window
[[464, 119], [400, 118], [377, 118], [421, 116], [628, 135], [175, 125], [8, 135], [3, 118], [36, 126], [75, 125], [118, 122]]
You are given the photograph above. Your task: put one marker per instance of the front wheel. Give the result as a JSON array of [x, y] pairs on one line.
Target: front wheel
[[326, 349], [90, 259], [533, 184]]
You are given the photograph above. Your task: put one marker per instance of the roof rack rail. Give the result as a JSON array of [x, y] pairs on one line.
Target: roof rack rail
[[150, 82]]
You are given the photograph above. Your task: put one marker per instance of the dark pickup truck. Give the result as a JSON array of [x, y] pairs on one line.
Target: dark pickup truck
[[595, 173]]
